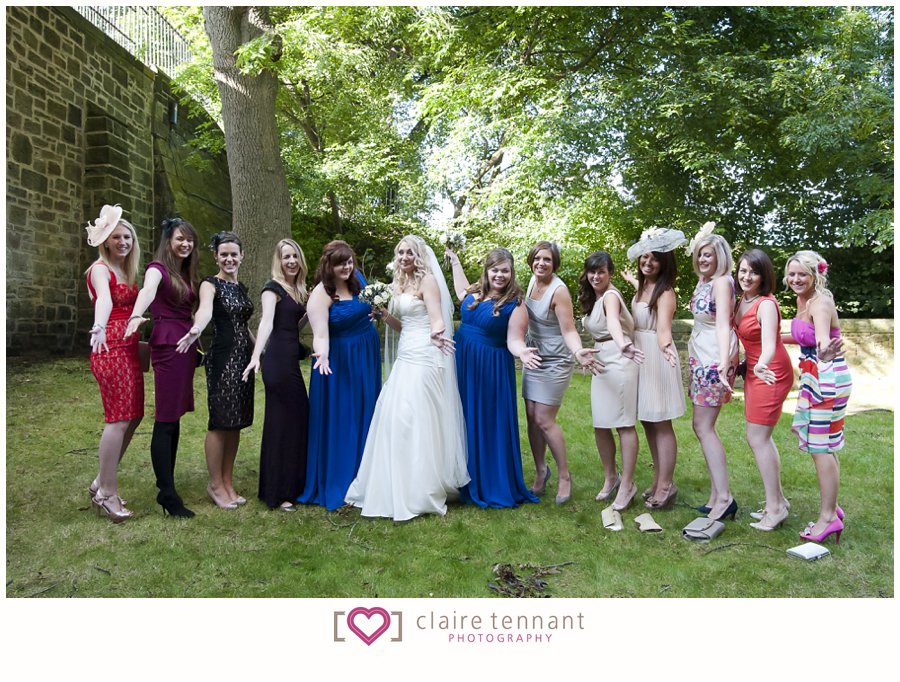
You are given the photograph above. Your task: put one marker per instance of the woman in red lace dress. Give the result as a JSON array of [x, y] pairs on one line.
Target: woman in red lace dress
[[114, 360]]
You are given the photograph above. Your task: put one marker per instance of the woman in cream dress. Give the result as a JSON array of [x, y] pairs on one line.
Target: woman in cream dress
[[614, 392]]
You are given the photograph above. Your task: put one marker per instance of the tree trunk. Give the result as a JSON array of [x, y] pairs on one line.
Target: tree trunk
[[259, 190]]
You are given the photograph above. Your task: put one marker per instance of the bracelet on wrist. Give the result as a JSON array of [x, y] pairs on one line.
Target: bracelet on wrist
[[98, 327], [135, 317], [195, 331]]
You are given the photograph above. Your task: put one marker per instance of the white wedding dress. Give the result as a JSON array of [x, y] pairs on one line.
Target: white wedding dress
[[415, 453]]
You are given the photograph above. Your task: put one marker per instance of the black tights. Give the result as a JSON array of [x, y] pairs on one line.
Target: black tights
[[163, 449]]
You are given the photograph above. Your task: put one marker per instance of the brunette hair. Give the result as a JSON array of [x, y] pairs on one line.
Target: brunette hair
[[224, 237], [596, 261], [540, 246], [668, 271], [481, 288], [760, 263], [335, 253], [184, 279], [296, 289]]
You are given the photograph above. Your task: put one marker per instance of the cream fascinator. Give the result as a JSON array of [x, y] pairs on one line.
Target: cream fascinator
[[104, 225], [705, 231], [659, 239]]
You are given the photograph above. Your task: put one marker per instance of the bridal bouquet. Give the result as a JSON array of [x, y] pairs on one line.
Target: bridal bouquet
[[455, 241], [376, 294]]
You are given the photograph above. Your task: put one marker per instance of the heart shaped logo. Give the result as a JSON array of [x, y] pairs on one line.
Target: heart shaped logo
[[365, 617]]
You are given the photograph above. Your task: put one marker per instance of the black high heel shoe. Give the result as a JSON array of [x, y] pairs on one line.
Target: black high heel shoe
[[173, 506], [730, 511]]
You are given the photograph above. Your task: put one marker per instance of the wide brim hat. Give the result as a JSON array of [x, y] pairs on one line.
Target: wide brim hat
[[656, 239], [104, 225]]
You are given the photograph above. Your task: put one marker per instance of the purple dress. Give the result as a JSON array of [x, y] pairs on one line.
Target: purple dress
[[282, 454], [173, 372]]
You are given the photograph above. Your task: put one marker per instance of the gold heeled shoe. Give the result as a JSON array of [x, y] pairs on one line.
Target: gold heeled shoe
[[103, 508], [666, 503], [93, 489]]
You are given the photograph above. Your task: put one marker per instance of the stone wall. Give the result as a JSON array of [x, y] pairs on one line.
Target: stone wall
[[87, 125]]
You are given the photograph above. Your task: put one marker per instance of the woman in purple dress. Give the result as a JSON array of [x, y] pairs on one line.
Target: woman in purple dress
[[170, 291]]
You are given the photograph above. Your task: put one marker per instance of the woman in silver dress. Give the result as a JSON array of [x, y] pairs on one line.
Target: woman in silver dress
[[551, 329]]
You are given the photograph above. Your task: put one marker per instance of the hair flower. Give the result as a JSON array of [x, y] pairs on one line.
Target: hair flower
[[822, 267], [705, 230]]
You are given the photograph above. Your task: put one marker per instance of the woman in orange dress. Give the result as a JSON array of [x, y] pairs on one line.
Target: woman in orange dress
[[768, 379]]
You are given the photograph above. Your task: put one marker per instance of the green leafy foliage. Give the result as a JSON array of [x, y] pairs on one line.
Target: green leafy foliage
[[586, 125]]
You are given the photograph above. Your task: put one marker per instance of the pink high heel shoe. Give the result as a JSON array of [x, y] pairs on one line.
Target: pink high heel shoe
[[836, 527]]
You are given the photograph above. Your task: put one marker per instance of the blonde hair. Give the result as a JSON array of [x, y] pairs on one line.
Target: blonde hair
[[724, 259], [809, 261], [401, 279], [130, 264], [296, 289]]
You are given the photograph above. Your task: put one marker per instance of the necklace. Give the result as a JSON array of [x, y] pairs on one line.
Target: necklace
[[750, 300], [806, 307]]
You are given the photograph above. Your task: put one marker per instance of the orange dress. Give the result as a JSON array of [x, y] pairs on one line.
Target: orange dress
[[763, 402]]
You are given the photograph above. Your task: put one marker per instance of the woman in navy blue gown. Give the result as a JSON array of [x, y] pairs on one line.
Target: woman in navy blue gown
[[494, 322], [345, 379]]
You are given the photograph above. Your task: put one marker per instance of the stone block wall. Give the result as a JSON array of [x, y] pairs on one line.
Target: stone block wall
[[87, 125]]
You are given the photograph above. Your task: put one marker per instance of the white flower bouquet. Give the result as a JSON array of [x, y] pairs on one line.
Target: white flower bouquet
[[455, 241], [376, 294]]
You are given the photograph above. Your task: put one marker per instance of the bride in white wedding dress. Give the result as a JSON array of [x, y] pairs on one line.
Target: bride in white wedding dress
[[415, 454]]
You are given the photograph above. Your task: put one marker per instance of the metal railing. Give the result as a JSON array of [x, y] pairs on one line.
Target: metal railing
[[143, 31]]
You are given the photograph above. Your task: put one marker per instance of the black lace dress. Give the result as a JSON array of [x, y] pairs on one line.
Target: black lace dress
[[230, 399]]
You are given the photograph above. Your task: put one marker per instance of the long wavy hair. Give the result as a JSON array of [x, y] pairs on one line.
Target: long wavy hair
[[296, 289], [132, 260], [335, 253], [480, 289], [810, 261], [401, 279], [668, 271], [185, 279], [596, 261]]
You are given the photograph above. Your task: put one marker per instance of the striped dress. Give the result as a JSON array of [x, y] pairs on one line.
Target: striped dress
[[824, 392]]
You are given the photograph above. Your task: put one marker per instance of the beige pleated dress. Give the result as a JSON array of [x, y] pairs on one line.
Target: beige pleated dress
[[614, 392], [660, 391]]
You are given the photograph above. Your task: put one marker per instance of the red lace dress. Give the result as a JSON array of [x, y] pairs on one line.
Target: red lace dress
[[118, 372]]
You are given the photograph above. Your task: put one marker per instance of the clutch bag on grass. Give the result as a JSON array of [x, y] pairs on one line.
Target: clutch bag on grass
[[809, 551]]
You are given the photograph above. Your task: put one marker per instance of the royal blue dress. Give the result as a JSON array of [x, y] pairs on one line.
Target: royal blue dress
[[486, 374], [341, 404]]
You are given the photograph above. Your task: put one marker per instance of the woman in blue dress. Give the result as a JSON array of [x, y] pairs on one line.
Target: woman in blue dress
[[345, 380], [494, 322]]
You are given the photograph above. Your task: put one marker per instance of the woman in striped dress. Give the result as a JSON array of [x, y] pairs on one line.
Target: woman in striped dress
[[825, 384]]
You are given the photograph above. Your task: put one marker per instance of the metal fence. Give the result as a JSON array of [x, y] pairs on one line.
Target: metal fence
[[143, 31]]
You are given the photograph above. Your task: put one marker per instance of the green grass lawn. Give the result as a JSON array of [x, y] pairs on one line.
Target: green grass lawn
[[57, 547]]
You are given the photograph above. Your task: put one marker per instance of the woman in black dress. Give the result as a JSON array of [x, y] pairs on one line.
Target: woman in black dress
[[282, 457], [224, 300]]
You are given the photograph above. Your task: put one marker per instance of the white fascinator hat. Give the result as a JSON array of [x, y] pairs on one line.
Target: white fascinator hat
[[104, 225]]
